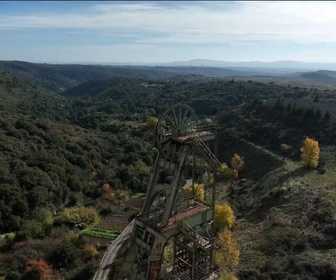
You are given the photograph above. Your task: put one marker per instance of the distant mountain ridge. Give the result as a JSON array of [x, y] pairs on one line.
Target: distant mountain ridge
[[284, 64], [61, 77], [196, 70]]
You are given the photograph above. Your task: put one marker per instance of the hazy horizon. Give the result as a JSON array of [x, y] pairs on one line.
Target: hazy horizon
[[156, 32], [290, 65], [165, 62]]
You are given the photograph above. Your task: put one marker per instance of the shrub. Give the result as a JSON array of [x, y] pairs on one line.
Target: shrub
[[90, 252], [237, 163], [227, 171], [198, 189], [66, 254]]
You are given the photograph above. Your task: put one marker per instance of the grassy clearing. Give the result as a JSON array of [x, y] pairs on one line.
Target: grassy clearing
[[138, 195], [113, 223], [102, 233]]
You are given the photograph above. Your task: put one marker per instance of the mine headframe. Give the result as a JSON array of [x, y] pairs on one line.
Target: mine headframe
[[167, 213]]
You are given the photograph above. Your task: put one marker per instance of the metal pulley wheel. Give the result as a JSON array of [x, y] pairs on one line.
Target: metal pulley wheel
[[178, 120]]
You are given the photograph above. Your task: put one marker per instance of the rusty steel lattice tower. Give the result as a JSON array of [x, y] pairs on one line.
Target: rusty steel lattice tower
[[168, 213]]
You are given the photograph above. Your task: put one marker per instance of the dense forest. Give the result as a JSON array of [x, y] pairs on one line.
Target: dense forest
[[75, 149]]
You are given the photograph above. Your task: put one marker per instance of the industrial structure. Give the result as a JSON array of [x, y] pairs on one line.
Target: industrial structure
[[170, 215]]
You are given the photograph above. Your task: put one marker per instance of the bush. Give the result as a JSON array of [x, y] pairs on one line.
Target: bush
[[79, 216], [66, 254]]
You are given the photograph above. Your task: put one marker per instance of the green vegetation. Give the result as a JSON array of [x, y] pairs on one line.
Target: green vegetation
[[78, 216], [138, 195], [92, 149], [103, 233], [58, 78]]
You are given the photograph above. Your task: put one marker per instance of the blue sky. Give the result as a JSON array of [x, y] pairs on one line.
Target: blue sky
[[158, 31]]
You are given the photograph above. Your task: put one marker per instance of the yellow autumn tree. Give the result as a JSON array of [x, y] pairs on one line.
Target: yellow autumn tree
[[226, 171], [310, 153], [237, 164], [199, 191], [227, 257], [224, 216]]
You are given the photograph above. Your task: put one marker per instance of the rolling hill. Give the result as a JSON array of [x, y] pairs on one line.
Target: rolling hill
[[321, 76], [61, 77], [58, 78], [21, 96]]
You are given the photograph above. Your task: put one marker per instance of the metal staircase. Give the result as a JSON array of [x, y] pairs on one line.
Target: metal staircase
[[204, 150], [202, 242]]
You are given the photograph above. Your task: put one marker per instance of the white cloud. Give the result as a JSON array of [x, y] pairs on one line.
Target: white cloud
[[192, 23]]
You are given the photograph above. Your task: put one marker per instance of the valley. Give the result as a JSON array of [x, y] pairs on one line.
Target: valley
[[76, 146]]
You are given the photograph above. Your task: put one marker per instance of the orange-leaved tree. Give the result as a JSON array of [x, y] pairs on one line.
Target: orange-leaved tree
[[106, 188], [39, 269], [310, 153]]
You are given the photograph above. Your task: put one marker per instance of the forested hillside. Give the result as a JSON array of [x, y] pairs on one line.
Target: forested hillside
[[24, 97], [205, 95], [60, 77], [321, 76], [92, 146]]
